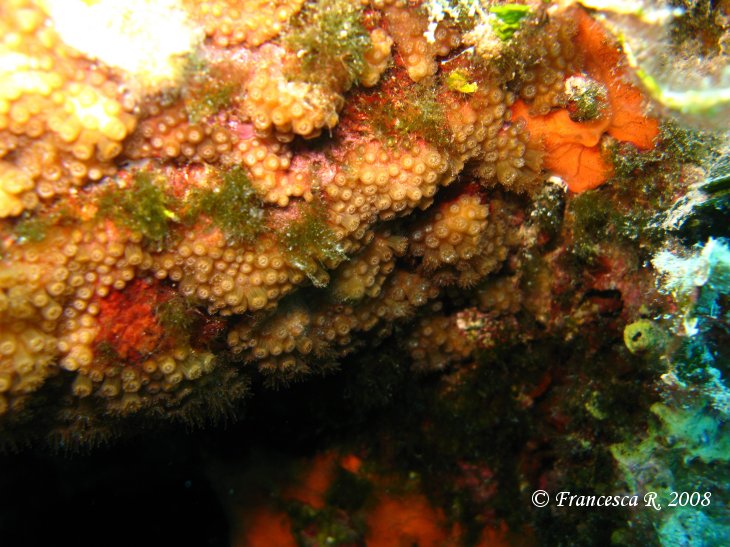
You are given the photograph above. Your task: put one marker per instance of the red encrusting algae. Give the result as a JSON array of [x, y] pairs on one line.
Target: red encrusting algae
[[128, 323], [408, 520], [264, 528], [311, 489], [391, 519]]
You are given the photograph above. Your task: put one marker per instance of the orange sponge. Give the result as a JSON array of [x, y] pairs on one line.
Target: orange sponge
[[572, 147]]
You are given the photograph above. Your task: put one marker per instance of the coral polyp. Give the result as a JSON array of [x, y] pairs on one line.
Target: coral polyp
[[313, 152], [462, 249]]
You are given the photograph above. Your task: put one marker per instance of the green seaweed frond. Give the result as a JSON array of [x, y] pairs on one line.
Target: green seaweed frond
[[645, 183], [686, 145], [213, 97], [143, 207], [457, 80], [599, 218], [629, 161], [233, 206], [415, 112], [330, 40], [595, 216], [506, 19], [465, 13], [675, 146], [177, 316], [310, 243], [33, 228], [195, 65], [421, 113]]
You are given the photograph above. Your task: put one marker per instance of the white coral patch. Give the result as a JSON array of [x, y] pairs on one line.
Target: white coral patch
[[143, 37]]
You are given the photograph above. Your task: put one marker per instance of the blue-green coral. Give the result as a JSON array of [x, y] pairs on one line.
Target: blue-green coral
[[697, 281], [687, 447]]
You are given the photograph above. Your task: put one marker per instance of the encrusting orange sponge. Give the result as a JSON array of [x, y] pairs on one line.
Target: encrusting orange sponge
[[571, 147]]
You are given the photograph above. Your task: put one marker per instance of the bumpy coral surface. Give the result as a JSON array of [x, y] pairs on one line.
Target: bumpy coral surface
[[454, 241], [314, 175]]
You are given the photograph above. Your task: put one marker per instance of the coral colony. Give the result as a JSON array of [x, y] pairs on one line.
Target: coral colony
[[500, 224]]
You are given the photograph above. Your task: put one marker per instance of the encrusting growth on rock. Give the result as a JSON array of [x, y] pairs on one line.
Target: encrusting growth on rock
[[315, 175]]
